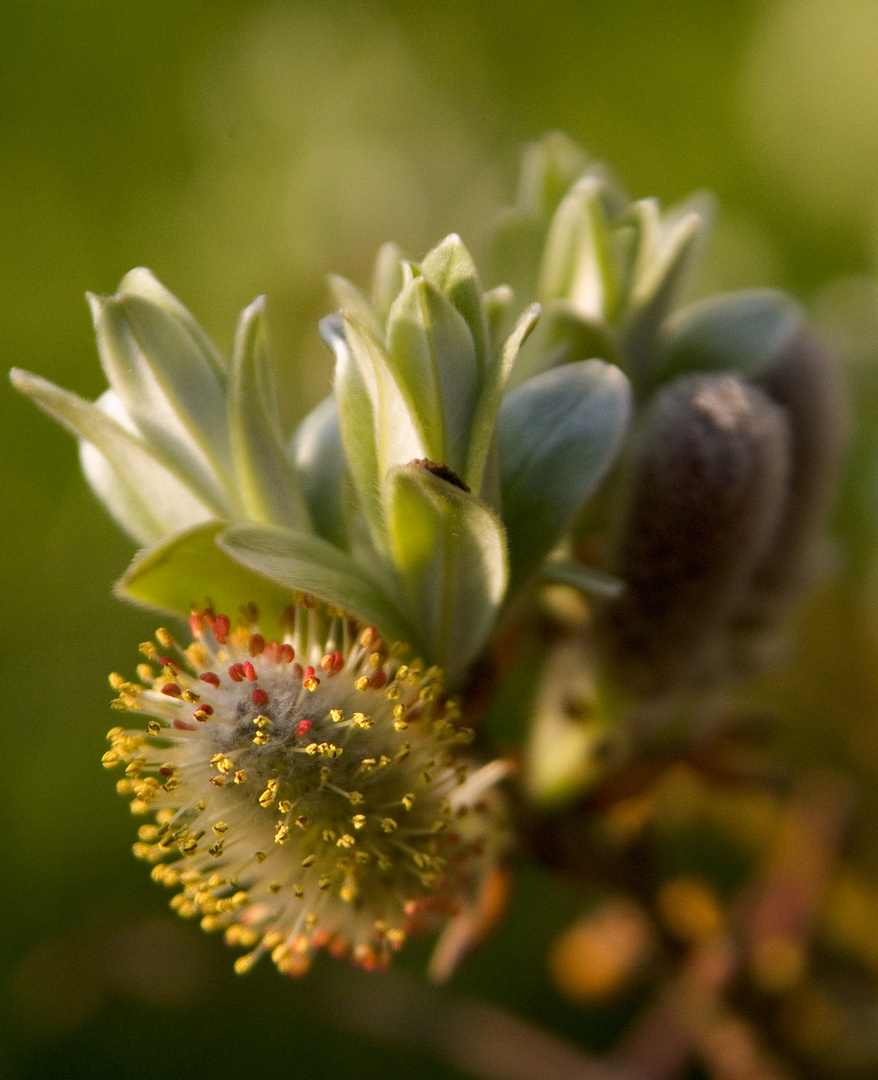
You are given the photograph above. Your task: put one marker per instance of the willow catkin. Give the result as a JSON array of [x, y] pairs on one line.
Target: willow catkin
[[803, 378], [706, 491]]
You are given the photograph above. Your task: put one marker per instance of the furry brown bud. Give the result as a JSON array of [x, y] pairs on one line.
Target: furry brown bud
[[804, 379], [706, 490]]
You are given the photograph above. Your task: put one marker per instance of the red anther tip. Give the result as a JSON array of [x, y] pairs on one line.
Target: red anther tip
[[320, 939], [257, 644], [287, 652], [169, 661], [378, 680], [181, 725], [210, 677], [166, 770], [221, 627], [260, 697], [206, 710], [171, 690], [308, 673], [250, 672], [236, 672], [332, 662], [302, 727]]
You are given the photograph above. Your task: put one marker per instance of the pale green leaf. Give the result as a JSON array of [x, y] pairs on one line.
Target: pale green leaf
[[667, 251], [169, 388], [576, 264], [141, 282], [485, 419], [357, 427], [388, 279], [188, 570], [562, 336], [318, 456], [433, 359], [558, 435], [588, 580], [352, 303], [450, 551], [450, 268], [156, 499], [267, 484], [549, 169], [396, 436], [306, 563], [738, 331]]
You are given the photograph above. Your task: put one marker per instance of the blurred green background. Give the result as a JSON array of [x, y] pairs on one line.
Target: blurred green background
[[239, 148]]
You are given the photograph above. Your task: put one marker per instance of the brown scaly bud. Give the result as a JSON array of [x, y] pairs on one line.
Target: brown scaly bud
[[706, 490]]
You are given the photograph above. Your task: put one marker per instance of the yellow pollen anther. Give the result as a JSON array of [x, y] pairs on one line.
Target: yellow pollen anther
[[407, 801], [220, 827], [358, 820], [239, 777], [336, 715], [360, 720], [345, 841], [388, 825], [309, 860], [285, 806], [324, 882], [281, 833], [164, 638], [362, 683], [302, 821], [270, 794], [260, 738]]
